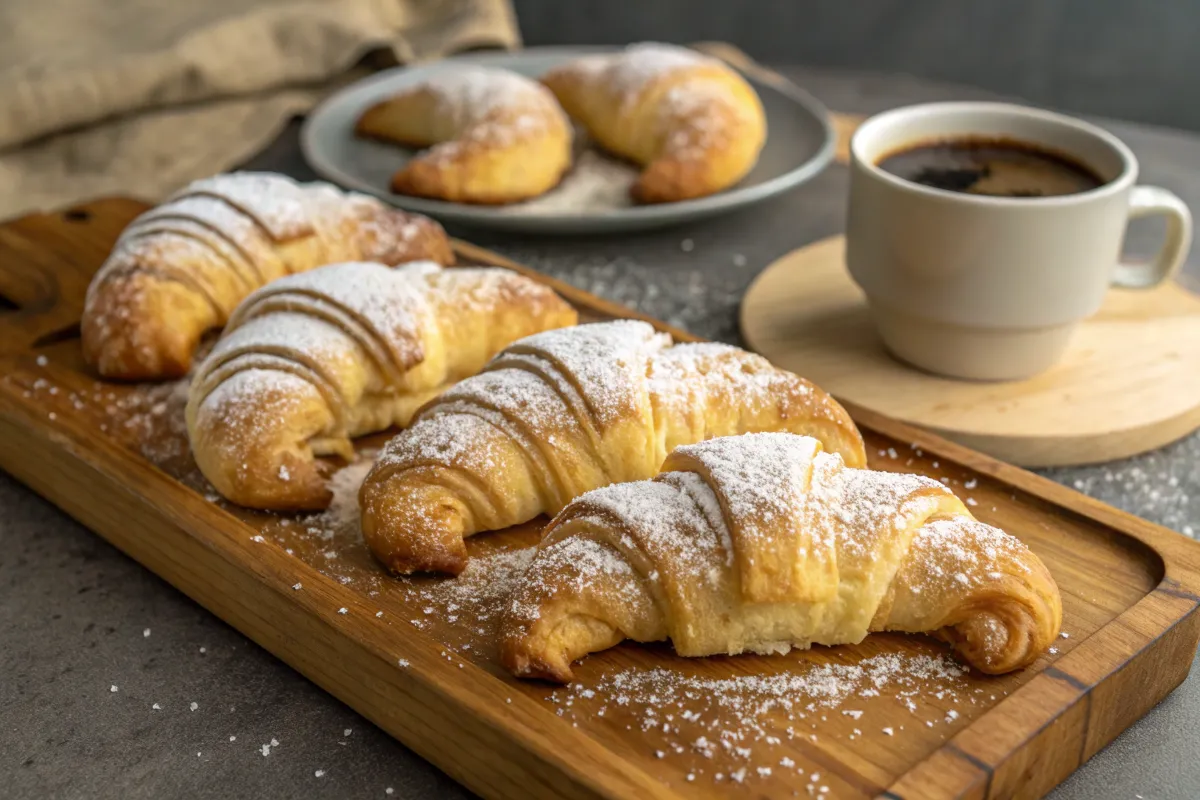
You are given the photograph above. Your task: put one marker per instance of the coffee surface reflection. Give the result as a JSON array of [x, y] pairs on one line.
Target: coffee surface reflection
[[996, 167]]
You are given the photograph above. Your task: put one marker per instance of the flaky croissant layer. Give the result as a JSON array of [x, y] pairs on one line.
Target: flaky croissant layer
[[693, 124], [564, 412], [312, 361], [494, 136], [764, 542], [180, 269]]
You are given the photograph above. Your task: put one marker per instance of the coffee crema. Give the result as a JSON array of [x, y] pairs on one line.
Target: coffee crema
[[991, 166]]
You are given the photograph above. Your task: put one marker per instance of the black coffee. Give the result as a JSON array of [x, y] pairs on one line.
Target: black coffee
[[997, 167]]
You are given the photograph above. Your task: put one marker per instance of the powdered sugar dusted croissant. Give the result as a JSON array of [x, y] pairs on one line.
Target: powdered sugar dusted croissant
[[494, 136], [181, 268], [560, 413], [313, 360], [694, 125], [765, 542]]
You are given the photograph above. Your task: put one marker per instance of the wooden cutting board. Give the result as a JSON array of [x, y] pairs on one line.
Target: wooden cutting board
[[1129, 383], [892, 717]]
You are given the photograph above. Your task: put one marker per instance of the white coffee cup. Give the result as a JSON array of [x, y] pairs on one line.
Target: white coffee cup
[[991, 288]]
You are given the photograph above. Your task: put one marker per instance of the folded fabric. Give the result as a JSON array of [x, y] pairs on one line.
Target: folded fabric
[[139, 97]]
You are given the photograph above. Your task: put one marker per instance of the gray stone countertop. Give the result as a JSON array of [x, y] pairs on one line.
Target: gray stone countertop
[[90, 641]]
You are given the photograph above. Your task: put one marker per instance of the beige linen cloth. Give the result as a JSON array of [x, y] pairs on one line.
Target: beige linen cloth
[[138, 97]]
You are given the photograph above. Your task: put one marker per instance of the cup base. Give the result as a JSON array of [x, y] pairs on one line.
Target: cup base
[[980, 354]]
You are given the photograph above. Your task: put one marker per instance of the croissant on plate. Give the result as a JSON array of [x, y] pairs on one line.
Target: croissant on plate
[[560, 413], [693, 124], [494, 136], [313, 360], [765, 542], [181, 268]]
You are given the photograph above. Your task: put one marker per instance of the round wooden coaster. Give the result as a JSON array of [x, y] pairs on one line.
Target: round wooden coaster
[[1129, 383]]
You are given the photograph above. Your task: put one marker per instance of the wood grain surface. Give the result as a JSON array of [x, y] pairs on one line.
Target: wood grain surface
[[1126, 385], [417, 657]]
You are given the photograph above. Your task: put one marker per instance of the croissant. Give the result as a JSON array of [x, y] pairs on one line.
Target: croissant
[[694, 125], [181, 268], [563, 412], [765, 542], [313, 360], [495, 136]]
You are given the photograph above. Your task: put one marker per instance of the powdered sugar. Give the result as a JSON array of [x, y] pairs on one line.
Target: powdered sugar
[[803, 527], [745, 721], [665, 524], [542, 384], [237, 220], [450, 440], [391, 302], [343, 511], [572, 566], [631, 70], [967, 551], [763, 478], [595, 183], [474, 601], [275, 201], [470, 92], [605, 361], [490, 107], [698, 712], [715, 375]]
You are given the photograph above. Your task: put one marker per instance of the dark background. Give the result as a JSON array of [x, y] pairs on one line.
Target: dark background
[[1131, 59]]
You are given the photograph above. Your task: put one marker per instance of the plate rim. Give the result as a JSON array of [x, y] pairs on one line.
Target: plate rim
[[728, 201]]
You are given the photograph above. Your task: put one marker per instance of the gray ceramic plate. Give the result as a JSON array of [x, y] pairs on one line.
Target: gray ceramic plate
[[800, 143]]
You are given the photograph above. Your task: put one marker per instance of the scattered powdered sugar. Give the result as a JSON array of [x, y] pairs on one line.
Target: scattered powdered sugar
[[762, 476], [544, 383], [485, 289], [744, 719], [631, 70], [470, 91], [451, 440], [607, 361], [343, 512], [873, 503], [480, 593], [275, 201], [672, 520], [280, 317], [967, 551], [719, 375], [492, 107], [148, 417], [595, 183], [570, 566]]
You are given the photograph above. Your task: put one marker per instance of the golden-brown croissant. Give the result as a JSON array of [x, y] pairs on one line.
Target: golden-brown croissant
[[764, 542], [495, 136], [313, 360], [693, 124], [181, 268], [560, 413]]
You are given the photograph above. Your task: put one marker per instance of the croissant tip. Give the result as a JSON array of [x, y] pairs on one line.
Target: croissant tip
[[524, 666], [444, 564], [276, 496], [120, 357]]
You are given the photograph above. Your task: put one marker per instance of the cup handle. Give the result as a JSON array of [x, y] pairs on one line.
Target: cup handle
[[1147, 201]]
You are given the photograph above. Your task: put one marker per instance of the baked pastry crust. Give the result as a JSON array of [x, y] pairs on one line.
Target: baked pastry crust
[[564, 412], [314, 360], [494, 136], [181, 268], [692, 123], [764, 542]]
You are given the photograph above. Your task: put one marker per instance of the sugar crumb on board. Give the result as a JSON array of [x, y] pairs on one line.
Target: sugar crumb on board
[[736, 724]]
